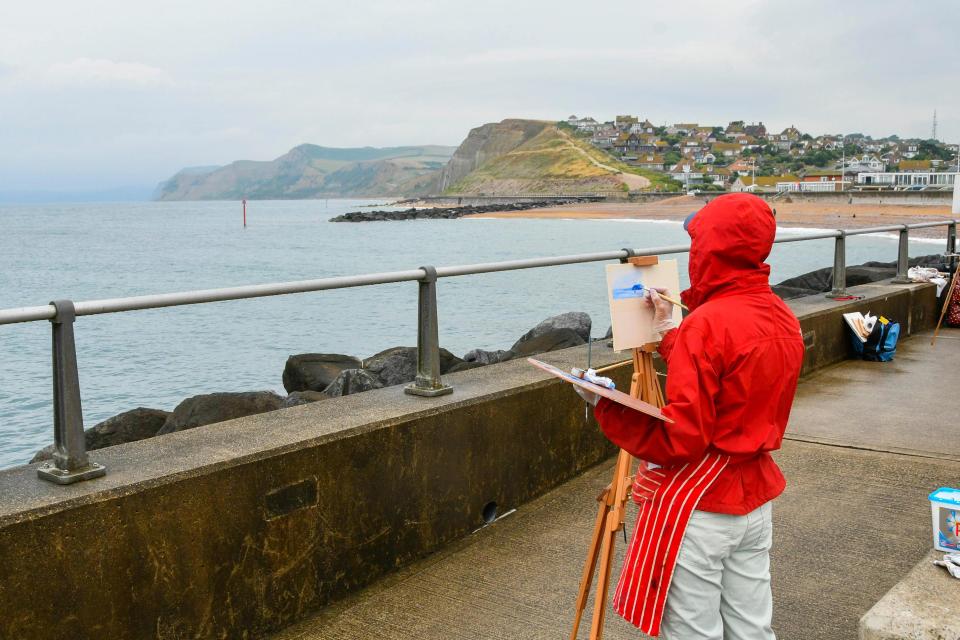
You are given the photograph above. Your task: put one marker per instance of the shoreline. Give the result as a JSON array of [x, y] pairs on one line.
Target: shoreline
[[802, 215]]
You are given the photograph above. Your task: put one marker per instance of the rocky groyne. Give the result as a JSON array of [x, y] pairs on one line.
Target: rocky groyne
[[449, 213], [314, 377]]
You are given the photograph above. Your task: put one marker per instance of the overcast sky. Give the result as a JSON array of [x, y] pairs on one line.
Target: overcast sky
[[105, 93]]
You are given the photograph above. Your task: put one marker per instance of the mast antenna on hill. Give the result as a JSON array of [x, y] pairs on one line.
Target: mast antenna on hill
[[934, 134]]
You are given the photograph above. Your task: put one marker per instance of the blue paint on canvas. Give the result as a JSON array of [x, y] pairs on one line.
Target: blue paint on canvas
[[634, 291]]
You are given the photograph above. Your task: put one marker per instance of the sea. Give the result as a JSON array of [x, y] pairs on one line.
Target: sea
[[157, 358]]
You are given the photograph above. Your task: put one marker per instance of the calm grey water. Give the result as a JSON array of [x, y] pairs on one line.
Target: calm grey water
[[157, 358]]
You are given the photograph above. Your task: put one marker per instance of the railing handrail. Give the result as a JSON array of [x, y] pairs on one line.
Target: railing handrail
[[201, 296], [70, 461]]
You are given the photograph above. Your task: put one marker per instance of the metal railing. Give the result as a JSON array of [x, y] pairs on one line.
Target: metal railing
[[70, 462]]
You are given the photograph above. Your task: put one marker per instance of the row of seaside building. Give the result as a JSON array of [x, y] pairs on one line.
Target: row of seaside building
[[726, 156]]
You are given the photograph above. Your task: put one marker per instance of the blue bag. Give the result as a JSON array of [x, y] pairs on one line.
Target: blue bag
[[881, 344]]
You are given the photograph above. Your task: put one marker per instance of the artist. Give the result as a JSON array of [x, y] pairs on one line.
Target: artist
[[699, 565]]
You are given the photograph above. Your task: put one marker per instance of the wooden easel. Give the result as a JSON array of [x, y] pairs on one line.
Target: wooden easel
[[613, 499]]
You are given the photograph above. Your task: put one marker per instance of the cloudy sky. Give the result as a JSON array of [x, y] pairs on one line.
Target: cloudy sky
[[105, 93]]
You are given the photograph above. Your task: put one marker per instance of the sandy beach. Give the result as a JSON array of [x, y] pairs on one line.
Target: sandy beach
[[789, 214]]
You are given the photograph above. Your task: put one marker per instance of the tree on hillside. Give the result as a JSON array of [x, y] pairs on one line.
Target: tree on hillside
[[822, 158], [932, 150], [852, 149]]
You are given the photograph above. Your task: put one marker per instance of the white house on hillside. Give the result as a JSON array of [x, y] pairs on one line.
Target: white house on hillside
[[864, 163]]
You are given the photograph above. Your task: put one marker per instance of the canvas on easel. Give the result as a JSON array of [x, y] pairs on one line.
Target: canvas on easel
[[630, 314]]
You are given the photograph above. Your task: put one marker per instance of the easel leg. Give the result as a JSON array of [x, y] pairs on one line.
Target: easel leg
[[946, 303], [591, 564], [610, 516], [603, 579]]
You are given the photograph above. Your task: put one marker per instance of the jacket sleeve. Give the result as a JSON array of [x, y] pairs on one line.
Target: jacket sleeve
[[666, 345], [692, 388]]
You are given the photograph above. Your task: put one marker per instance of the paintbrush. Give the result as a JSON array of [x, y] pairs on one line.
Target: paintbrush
[[673, 301], [639, 289]]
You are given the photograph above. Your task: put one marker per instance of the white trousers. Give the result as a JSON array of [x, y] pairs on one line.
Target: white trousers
[[721, 586]]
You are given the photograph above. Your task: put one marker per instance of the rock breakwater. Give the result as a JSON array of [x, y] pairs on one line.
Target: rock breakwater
[[314, 377], [449, 213]]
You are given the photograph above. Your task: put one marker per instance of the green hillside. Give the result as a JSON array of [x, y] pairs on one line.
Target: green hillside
[[552, 162]]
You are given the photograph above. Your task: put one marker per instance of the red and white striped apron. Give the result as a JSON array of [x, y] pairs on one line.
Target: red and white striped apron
[[667, 498]]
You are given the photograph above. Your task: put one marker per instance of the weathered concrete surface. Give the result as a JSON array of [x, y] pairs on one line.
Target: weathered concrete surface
[[907, 405], [850, 524], [922, 606]]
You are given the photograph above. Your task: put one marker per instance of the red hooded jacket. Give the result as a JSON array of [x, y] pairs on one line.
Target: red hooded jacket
[[733, 363]]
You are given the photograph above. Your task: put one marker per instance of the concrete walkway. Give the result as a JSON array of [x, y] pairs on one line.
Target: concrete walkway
[[853, 521], [905, 406]]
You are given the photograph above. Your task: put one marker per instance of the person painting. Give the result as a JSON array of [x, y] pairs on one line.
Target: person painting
[[698, 565]]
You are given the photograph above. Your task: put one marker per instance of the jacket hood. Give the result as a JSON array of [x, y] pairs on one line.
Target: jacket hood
[[730, 239]]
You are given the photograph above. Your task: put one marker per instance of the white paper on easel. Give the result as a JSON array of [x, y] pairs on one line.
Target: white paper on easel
[[630, 313]]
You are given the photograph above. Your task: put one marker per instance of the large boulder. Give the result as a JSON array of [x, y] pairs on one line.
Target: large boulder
[[353, 381], [297, 398], [821, 280], [550, 341], [217, 407], [398, 365], [315, 371], [865, 275], [577, 321], [488, 357], [464, 366], [128, 426]]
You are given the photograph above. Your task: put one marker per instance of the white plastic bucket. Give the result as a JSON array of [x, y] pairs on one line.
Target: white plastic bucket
[[945, 511]]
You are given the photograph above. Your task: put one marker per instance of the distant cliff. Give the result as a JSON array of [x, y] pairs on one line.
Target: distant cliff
[[531, 157], [311, 171], [485, 143]]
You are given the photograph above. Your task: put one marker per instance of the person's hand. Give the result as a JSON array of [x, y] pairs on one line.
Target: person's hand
[[662, 311], [588, 396]]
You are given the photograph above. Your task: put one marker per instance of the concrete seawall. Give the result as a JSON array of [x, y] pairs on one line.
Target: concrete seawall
[[912, 198], [243, 527]]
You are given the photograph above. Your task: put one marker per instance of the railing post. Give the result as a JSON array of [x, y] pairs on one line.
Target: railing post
[[70, 463], [952, 238], [427, 382], [903, 257], [839, 266]]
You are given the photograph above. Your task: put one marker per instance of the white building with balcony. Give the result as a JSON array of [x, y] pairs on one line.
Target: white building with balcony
[[907, 180]]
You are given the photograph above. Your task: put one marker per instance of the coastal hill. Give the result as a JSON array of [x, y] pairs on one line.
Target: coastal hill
[[311, 171], [533, 157], [511, 157]]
